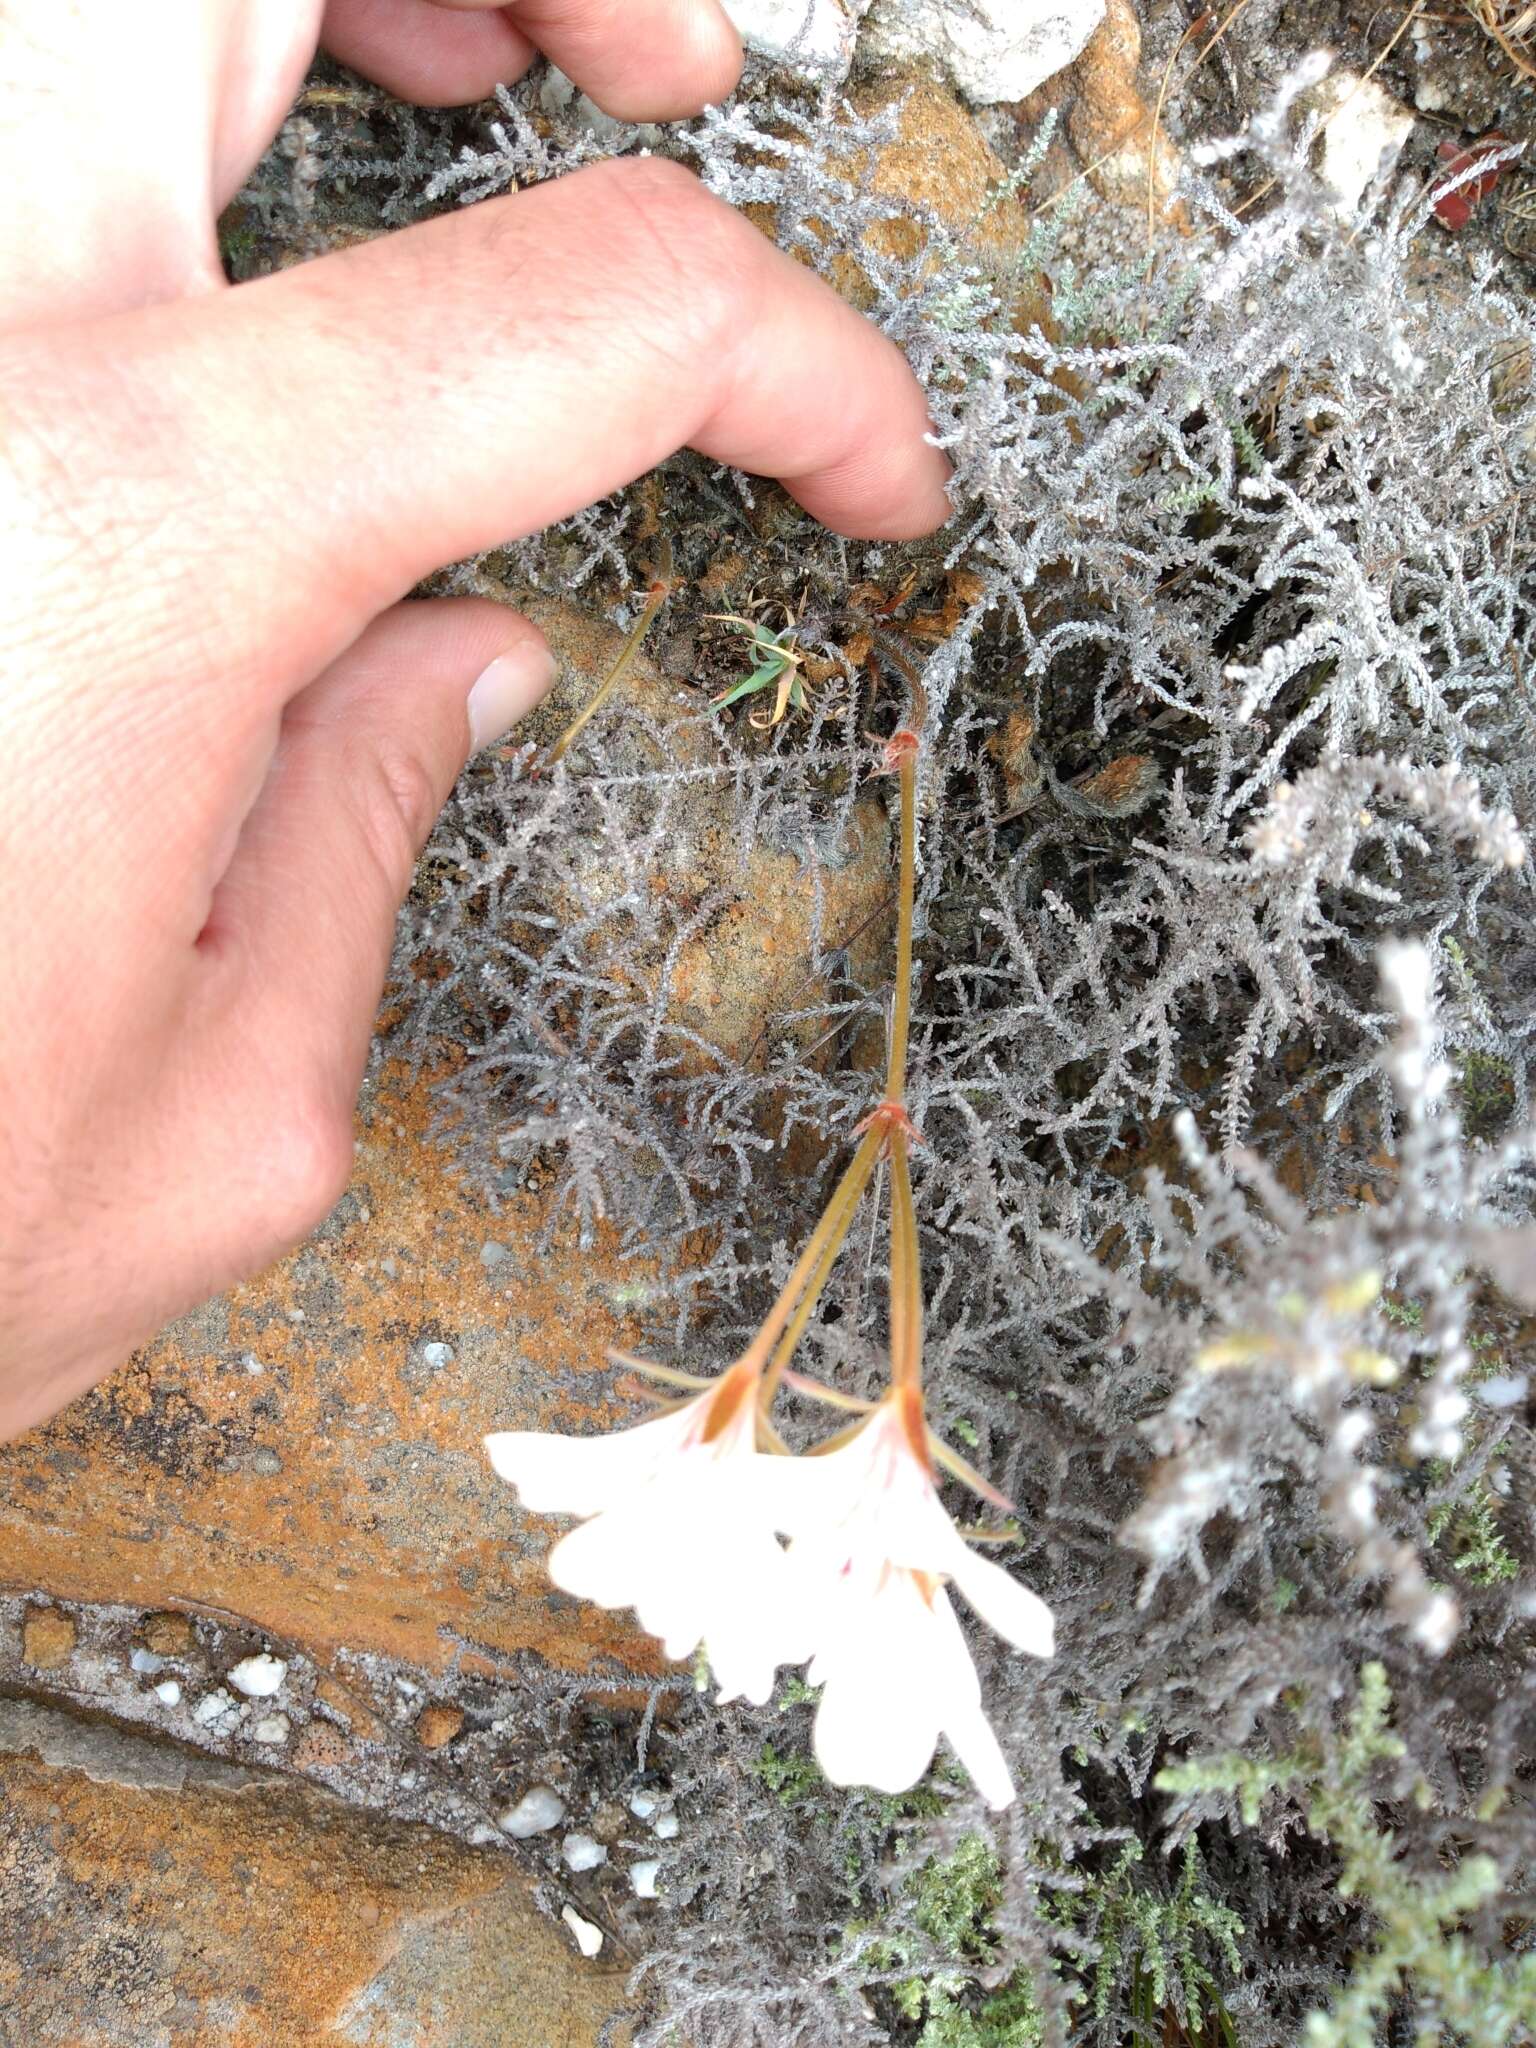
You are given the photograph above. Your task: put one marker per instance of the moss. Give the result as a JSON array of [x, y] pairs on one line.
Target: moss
[[1463, 1993], [791, 1776], [1153, 1951], [1469, 1530]]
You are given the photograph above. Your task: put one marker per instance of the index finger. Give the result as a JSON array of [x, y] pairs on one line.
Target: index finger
[[305, 448], [641, 60]]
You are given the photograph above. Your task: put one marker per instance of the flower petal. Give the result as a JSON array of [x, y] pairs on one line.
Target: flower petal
[[1019, 1616], [856, 1744], [615, 1559], [972, 1739], [691, 1577], [578, 1475], [878, 1721]]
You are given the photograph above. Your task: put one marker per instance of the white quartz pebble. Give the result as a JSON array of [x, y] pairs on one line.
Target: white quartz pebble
[[539, 1809], [990, 50], [258, 1677], [582, 1853], [589, 1939]]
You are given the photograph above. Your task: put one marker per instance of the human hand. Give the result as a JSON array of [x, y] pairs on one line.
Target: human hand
[[225, 736]]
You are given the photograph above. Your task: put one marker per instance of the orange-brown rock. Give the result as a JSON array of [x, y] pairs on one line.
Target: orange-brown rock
[[753, 960], [149, 1900], [47, 1638], [167, 1635], [1126, 153], [305, 1453], [940, 161], [438, 1724]]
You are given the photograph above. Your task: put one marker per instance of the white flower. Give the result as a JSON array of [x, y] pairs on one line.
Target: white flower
[[872, 1536], [681, 1519]]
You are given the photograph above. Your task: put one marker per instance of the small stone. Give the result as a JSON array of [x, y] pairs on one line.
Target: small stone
[[589, 1939], [168, 1635], [582, 1853], [271, 1728], [252, 1364], [47, 1638], [643, 1804], [1364, 129], [322, 1747], [1504, 1390], [438, 1724], [990, 50], [168, 1692], [437, 1355], [147, 1662], [608, 1824], [482, 1833], [258, 1677], [492, 1253], [539, 1809], [643, 1876], [665, 1826], [563, 100], [214, 1707]]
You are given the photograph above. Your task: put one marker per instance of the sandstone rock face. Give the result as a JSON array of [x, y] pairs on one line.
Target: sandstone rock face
[[772, 903], [990, 50], [1112, 126], [305, 1453], [940, 160], [149, 1900]]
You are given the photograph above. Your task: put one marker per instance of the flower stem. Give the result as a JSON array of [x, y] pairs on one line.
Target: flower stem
[[845, 1202], [801, 1291], [656, 597], [775, 1342], [901, 1005], [906, 1273]]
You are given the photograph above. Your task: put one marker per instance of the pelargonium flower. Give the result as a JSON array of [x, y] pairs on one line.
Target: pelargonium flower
[[680, 1520], [872, 1539]]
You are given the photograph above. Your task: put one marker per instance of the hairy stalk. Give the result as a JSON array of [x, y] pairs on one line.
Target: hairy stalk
[[901, 1007], [656, 597], [906, 1273], [888, 1125]]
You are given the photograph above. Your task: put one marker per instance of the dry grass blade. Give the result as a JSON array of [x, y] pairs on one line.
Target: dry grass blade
[[1511, 27]]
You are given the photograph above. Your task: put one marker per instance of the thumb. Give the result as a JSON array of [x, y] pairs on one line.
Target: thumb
[[297, 944]]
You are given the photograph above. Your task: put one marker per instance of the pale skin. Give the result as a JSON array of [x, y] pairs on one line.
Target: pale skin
[[223, 736]]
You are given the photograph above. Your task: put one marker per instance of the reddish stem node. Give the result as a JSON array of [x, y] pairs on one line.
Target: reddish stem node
[[890, 1116]]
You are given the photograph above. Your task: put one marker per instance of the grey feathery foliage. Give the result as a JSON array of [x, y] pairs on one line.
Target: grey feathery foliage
[[1228, 653]]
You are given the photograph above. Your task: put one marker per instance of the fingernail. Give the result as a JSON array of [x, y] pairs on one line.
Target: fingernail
[[508, 691]]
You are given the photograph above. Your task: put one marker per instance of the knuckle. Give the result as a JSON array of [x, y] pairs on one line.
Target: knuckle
[[398, 800], [696, 250], [308, 1165]]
